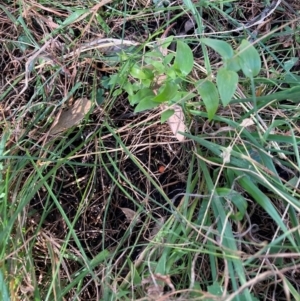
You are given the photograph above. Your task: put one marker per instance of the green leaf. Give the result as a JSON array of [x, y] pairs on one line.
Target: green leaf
[[233, 64], [168, 58], [171, 73], [166, 42], [210, 97], [114, 80], [74, 17], [24, 42], [152, 54], [263, 200], [289, 64], [138, 73], [140, 95], [168, 92], [100, 96], [215, 289], [146, 83], [158, 66], [238, 200], [249, 59], [128, 87], [166, 115], [149, 73], [146, 104], [291, 94], [117, 92], [3, 288], [227, 83], [184, 59], [223, 48], [293, 291]]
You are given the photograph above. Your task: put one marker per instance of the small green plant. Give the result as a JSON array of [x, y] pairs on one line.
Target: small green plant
[[161, 79], [157, 80], [245, 58]]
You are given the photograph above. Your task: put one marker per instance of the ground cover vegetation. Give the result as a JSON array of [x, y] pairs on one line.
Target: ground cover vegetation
[[149, 150]]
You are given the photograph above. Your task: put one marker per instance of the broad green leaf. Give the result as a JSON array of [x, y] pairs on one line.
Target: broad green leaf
[[158, 66], [250, 61], [168, 58], [227, 83], [233, 64], [171, 73], [215, 289], [223, 48], [210, 97], [184, 59], [140, 95], [167, 94], [149, 73], [166, 115], [146, 83], [166, 42], [152, 54], [113, 80], [146, 104], [138, 73], [117, 92], [128, 87]]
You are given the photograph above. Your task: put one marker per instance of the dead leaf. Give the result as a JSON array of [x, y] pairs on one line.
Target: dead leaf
[[154, 286], [155, 291], [166, 279], [247, 122], [130, 214], [176, 121], [226, 154], [158, 225], [72, 116]]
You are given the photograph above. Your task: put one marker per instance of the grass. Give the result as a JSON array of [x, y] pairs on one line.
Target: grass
[[113, 207]]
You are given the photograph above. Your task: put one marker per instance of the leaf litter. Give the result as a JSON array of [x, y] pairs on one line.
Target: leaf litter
[[72, 116]]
